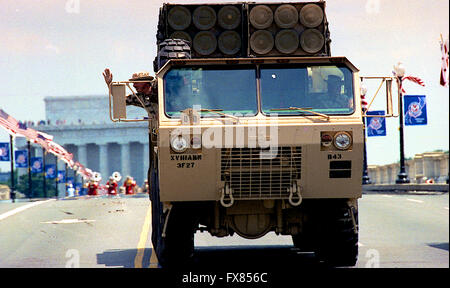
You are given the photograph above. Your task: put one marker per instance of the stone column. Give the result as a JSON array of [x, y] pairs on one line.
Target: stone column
[[418, 159], [443, 168], [103, 158], [125, 156], [82, 154], [145, 160]]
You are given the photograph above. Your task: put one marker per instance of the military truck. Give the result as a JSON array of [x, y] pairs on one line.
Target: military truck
[[259, 130]]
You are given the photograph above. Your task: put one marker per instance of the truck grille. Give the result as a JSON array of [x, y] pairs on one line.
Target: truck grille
[[255, 173]]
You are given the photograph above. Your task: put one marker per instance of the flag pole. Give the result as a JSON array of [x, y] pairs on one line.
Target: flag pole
[[44, 173], [56, 178], [65, 180], [30, 183], [11, 153]]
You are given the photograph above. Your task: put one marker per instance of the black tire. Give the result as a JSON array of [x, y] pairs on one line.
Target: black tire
[[171, 49], [177, 247], [339, 236], [330, 233]]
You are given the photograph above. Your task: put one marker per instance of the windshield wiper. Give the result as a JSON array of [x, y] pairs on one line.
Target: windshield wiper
[[217, 111], [303, 110]]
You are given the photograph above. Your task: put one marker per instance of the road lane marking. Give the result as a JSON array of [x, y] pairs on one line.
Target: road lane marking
[[387, 196], [153, 260], [69, 221], [414, 200], [143, 239], [22, 208]]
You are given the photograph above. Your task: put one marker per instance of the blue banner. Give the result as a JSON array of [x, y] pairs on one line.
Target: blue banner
[[4, 151], [415, 109], [50, 171], [61, 176], [21, 157], [376, 126], [36, 165]]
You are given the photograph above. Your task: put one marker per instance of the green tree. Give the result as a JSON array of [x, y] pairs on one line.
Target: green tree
[[37, 182], [9, 180]]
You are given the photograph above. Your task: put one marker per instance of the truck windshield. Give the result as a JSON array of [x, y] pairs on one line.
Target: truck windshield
[[323, 89], [232, 90]]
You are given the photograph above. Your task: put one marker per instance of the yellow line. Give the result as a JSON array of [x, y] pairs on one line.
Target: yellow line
[[153, 260], [143, 239]]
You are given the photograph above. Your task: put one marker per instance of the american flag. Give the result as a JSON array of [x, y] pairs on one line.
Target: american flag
[[42, 139], [57, 150], [16, 128], [11, 125], [412, 79], [444, 68], [364, 104]]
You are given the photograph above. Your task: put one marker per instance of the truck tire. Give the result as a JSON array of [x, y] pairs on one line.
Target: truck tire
[[177, 247], [330, 233], [171, 49], [338, 237]]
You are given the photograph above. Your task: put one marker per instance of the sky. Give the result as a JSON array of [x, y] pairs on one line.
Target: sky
[[61, 47]]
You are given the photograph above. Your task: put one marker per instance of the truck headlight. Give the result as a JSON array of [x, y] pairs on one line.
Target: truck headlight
[[179, 144], [342, 140]]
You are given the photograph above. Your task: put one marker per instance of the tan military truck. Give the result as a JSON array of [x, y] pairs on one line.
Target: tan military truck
[[259, 130]]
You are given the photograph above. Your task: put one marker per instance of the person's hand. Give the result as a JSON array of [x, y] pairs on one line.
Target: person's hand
[[108, 76]]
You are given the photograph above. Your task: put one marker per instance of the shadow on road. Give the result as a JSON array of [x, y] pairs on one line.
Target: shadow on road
[[254, 257], [443, 246], [123, 258], [223, 258]]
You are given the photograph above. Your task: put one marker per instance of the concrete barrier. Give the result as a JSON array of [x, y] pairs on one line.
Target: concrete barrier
[[4, 192], [405, 188]]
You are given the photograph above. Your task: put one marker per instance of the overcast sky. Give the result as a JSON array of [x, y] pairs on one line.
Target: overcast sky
[[60, 48]]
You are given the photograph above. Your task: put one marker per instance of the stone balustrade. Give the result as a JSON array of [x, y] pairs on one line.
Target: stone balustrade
[[423, 167]]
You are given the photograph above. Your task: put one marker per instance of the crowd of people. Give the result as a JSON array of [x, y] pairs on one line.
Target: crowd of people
[[112, 188]]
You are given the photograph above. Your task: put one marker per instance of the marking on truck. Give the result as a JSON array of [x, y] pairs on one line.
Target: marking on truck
[[185, 157], [334, 156], [185, 165]]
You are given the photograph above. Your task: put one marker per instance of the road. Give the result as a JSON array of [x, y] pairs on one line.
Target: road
[[405, 231]]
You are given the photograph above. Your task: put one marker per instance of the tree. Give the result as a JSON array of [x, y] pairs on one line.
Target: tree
[[37, 183]]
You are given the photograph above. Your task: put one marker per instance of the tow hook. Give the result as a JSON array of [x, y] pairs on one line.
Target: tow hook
[[355, 225], [295, 190], [227, 192]]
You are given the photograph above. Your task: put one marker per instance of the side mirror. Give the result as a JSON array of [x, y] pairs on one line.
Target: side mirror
[[389, 105], [387, 81], [119, 107], [118, 104]]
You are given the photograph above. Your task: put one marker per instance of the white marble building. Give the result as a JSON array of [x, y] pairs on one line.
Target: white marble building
[[81, 124]]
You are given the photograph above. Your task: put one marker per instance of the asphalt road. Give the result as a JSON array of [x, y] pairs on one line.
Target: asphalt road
[[406, 231]]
